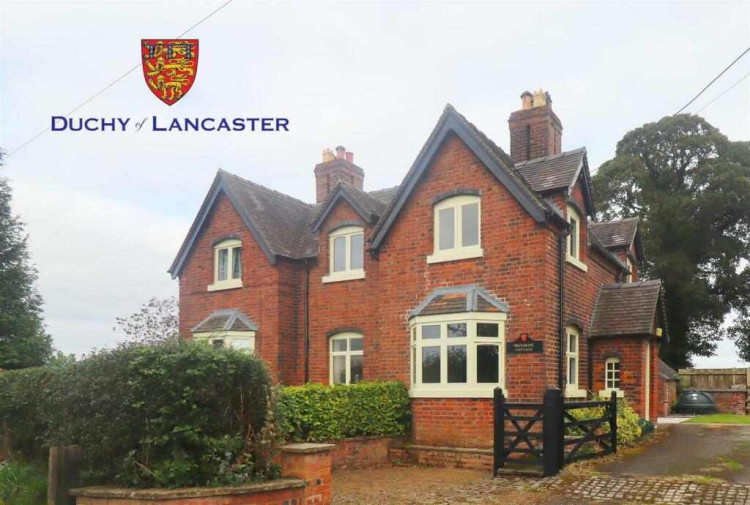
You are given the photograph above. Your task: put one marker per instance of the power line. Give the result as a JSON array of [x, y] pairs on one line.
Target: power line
[[730, 88], [713, 81], [105, 88]]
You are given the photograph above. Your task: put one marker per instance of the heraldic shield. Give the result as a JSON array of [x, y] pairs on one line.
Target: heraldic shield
[[169, 67]]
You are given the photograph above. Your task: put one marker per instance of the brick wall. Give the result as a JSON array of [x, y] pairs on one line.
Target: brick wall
[[361, 452], [730, 401]]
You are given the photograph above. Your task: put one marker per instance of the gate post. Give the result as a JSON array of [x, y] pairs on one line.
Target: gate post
[[552, 431], [499, 425], [613, 421]]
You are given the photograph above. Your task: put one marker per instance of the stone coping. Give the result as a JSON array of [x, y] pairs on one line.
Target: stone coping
[[463, 450], [306, 448], [187, 492]]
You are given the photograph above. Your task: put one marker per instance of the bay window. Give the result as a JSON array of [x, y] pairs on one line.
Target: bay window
[[457, 355]]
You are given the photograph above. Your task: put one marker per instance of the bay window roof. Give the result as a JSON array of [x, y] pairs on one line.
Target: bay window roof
[[456, 299], [225, 320]]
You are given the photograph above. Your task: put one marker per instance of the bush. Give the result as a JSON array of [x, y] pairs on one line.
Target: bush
[[22, 484], [628, 426], [315, 413], [166, 416]]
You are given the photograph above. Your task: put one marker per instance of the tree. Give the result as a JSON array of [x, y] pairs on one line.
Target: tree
[[23, 339], [155, 323], [690, 187]]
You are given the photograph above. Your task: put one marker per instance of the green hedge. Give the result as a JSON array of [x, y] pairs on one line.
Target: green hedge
[[315, 413], [629, 428], [163, 416]]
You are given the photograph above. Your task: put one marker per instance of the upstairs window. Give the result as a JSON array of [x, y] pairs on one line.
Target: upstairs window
[[457, 229], [347, 355], [346, 254], [227, 265], [573, 254]]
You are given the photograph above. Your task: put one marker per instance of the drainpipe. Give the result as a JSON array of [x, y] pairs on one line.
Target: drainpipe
[[561, 243], [307, 321]]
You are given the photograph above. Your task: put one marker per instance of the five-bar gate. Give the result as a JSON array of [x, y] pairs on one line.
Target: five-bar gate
[[545, 436]]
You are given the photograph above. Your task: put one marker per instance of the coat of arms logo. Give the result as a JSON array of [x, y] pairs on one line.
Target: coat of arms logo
[[169, 67]]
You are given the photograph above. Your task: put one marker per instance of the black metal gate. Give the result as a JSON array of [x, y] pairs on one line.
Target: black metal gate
[[545, 436]]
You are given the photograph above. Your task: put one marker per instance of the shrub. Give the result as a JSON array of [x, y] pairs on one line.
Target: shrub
[[315, 413], [166, 416], [628, 426], [22, 484]]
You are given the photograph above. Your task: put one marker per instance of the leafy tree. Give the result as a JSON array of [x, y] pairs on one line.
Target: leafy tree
[[23, 339], [690, 187], [155, 323]]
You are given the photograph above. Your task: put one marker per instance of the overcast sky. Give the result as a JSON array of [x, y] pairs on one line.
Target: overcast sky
[[106, 212]]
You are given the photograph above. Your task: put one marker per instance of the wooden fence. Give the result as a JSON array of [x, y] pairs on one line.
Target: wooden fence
[[714, 378]]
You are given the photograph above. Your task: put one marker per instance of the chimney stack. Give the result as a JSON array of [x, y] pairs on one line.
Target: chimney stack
[[336, 169], [535, 130]]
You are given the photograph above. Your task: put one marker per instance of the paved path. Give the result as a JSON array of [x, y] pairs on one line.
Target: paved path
[[692, 449]]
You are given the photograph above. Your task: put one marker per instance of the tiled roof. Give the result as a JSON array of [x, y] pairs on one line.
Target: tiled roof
[[668, 372], [225, 320], [455, 299], [617, 233], [553, 172], [384, 195], [626, 309]]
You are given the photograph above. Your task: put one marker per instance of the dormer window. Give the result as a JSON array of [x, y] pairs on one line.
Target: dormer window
[[457, 229], [573, 254], [227, 265], [346, 254]]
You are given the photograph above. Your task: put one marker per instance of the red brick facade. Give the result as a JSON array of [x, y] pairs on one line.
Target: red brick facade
[[519, 266]]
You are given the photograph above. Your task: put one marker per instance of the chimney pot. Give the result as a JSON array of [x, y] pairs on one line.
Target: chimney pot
[[350, 156], [328, 155], [527, 100], [340, 151]]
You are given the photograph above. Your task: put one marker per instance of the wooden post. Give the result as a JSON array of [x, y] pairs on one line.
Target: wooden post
[[613, 421], [552, 431], [499, 424], [64, 472]]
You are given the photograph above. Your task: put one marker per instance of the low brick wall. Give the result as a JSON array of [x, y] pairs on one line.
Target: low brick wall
[[729, 401], [362, 452], [451, 457], [306, 480]]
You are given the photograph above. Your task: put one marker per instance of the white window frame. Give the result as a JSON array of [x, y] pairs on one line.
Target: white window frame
[[629, 264], [348, 273], [607, 391], [229, 338], [444, 389], [230, 282], [348, 353], [458, 252], [575, 238], [572, 389]]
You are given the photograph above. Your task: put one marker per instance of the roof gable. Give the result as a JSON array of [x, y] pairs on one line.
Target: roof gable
[[368, 207], [277, 222], [496, 161], [619, 233], [560, 172], [628, 309]]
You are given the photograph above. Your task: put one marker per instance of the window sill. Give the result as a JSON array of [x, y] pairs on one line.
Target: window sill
[[575, 393], [577, 263], [344, 276], [455, 255], [221, 285], [444, 391], [607, 393]]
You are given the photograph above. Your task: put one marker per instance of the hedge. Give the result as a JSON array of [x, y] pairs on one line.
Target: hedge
[[315, 413], [629, 428], [162, 416]]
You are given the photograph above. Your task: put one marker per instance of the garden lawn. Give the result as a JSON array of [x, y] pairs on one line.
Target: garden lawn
[[720, 419]]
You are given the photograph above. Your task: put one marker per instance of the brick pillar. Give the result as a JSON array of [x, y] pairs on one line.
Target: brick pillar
[[311, 463]]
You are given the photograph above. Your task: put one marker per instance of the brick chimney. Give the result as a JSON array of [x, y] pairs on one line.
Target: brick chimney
[[535, 130], [336, 169]]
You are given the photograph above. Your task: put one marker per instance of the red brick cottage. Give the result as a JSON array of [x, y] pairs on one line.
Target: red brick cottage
[[431, 282]]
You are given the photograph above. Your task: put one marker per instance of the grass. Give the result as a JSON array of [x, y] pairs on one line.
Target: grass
[[720, 419], [22, 484]]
